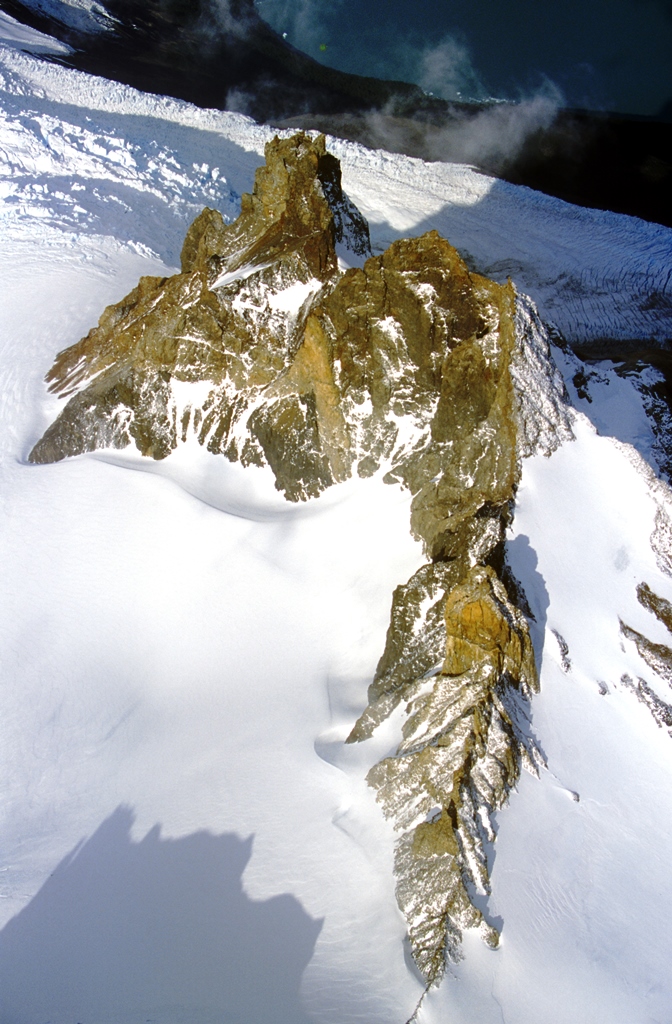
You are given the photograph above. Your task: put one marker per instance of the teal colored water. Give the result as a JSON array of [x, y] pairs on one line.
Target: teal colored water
[[600, 54]]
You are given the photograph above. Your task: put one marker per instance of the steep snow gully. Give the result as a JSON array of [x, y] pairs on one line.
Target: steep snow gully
[[186, 836]]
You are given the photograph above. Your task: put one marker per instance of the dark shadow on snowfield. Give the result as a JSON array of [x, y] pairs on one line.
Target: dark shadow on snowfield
[[159, 929], [522, 560]]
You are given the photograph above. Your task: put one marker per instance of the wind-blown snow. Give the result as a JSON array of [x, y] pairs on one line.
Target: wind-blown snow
[[178, 639]]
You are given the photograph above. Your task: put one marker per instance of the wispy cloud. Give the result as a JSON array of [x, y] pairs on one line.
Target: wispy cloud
[[446, 69], [494, 136], [229, 16], [491, 137]]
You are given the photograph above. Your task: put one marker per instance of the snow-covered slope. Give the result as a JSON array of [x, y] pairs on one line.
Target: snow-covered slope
[[184, 653], [594, 274]]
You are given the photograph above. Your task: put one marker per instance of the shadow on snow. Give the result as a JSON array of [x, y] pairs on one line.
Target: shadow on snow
[[157, 930]]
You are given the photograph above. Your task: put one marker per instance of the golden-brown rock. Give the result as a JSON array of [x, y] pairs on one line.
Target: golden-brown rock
[[464, 741], [405, 365]]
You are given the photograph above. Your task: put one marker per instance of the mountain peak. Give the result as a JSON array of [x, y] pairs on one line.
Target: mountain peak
[[297, 206], [410, 366]]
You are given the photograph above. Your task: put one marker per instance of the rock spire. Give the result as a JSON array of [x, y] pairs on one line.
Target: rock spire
[[409, 365]]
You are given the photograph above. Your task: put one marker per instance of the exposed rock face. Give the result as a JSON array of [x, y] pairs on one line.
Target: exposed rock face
[[411, 366], [658, 657], [232, 320], [463, 743]]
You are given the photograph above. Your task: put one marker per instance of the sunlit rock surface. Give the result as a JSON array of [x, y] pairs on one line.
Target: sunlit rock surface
[[404, 364], [657, 657], [230, 323]]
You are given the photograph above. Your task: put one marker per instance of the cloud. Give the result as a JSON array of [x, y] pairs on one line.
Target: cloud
[[490, 137], [446, 70], [494, 136]]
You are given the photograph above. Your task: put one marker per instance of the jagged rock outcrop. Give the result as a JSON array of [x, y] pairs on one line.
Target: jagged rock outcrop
[[232, 320], [410, 366], [657, 657], [463, 742]]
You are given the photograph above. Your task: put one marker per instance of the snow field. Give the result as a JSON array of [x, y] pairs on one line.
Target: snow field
[[166, 655], [178, 640]]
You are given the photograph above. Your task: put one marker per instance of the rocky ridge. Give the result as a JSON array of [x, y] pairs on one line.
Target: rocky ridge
[[407, 365], [656, 656]]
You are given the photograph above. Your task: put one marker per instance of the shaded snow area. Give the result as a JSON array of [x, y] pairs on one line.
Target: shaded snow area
[[184, 836]]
